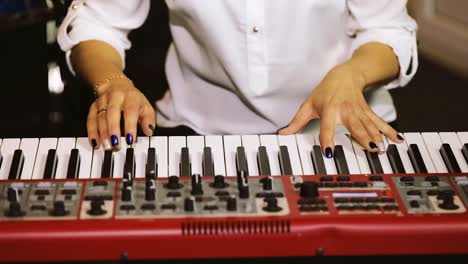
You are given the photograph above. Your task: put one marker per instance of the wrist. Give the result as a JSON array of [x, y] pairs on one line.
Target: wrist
[[354, 73], [104, 85]]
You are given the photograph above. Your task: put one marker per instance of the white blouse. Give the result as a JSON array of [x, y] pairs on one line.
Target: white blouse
[[245, 66]]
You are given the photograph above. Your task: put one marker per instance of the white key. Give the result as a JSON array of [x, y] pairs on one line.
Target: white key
[[290, 142], [433, 144], [416, 138], [175, 146], [403, 151], [8, 148], [141, 153], [452, 139], [271, 144], [463, 137], [343, 140], [384, 161], [305, 143], [41, 157], [119, 159], [217, 152], [329, 163], [86, 157], [230, 148], [160, 145], [361, 157], [29, 147], [251, 144], [196, 144], [64, 147]]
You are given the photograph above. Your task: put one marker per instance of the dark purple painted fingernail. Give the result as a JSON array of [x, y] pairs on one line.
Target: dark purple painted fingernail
[[129, 139], [372, 145], [400, 137], [94, 143], [328, 153], [114, 140]]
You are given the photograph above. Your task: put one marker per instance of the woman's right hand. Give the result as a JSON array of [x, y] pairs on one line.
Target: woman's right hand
[[103, 124]]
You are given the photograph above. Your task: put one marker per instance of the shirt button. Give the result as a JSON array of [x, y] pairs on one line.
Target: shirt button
[[74, 7], [255, 29]]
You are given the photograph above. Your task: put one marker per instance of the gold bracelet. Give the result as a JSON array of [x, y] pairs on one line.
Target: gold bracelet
[[107, 80]]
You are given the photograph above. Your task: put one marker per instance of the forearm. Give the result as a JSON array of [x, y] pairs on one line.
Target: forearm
[[375, 63]]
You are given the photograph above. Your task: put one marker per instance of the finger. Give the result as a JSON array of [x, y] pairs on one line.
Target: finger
[[131, 114], [114, 112], [101, 120], [92, 127], [359, 133], [374, 133], [148, 120], [300, 120], [327, 131]]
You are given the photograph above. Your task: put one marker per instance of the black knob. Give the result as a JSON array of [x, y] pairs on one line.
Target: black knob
[[189, 204], [448, 203], [244, 192], [96, 207], [59, 209], [272, 205], [197, 188], [309, 190], [219, 182], [231, 204], [126, 183], [12, 194], [150, 190], [14, 210], [127, 194], [173, 183], [267, 184]]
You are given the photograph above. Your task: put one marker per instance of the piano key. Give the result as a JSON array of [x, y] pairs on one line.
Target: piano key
[[416, 138], [97, 163], [8, 148], [386, 167], [329, 163], [208, 164], [403, 151], [285, 161], [463, 138], [449, 158], [433, 144], [29, 148], [129, 166], [317, 157], [74, 163], [271, 144], [185, 166], [64, 147], [230, 148], [291, 143], [263, 162], [151, 170], [251, 144], [196, 144], [340, 160], [456, 145], [217, 153], [140, 149], [45, 144], [1, 156], [305, 143], [50, 168], [16, 165], [119, 159], [175, 147], [86, 158], [465, 151], [416, 159], [347, 147], [107, 168], [162, 155], [395, 159], [373, 162], [242, 167], [361, 157]]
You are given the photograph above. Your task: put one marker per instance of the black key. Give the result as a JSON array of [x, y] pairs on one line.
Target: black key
[[317, 160], [241, 162], [464, 151], [340, 160], [395, 159], [208, 164], [16, 165], [374, 162], [51, 164], [1, 159], [285, 161], [416, 159], [263, 162], [151, 165], [74, 164], [108, 164], [449, 159], [129, 166], [184, 166]]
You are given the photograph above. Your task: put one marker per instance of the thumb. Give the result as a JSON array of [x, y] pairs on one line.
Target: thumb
[[300, 120]]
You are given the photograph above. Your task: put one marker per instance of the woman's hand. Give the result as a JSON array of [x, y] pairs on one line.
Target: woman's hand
[[339, 99], [103, 124]]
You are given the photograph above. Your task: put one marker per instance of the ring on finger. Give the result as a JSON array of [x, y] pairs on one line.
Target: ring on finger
[[101, 110]]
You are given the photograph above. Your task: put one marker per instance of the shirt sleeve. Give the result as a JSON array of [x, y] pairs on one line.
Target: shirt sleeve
[[388, 22], [109, 21]]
